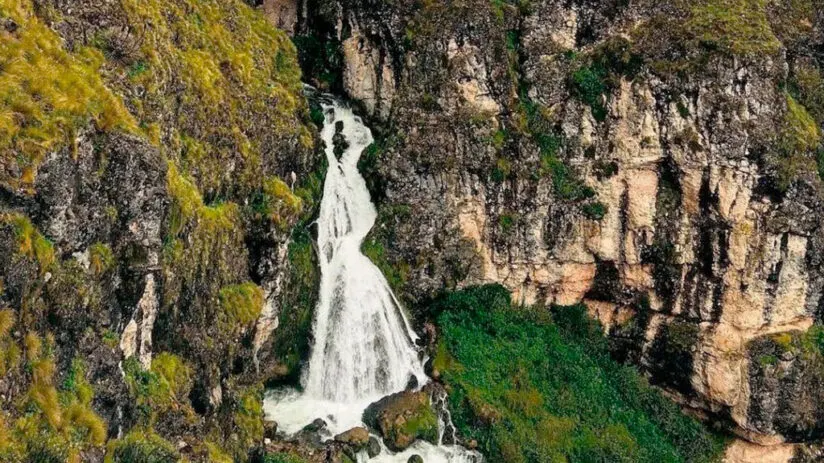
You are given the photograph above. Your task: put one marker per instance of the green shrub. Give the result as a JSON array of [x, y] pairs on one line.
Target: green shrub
[[530, 386], [141, 446], [594, 211], [506, 222], [587, 83], [175, 373], [101, 258], [240, 305], [30, 243]]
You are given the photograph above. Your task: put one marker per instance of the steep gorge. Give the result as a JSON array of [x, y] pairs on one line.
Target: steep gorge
[[161, 170], [655, 160]]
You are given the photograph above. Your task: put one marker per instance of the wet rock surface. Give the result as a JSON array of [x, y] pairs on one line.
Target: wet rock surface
[[402, 418]]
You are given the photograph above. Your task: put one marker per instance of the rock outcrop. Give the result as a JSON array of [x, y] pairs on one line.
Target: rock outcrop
[[572, 152]]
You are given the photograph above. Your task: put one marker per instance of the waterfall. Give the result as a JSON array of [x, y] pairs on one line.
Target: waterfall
[[364, 346]]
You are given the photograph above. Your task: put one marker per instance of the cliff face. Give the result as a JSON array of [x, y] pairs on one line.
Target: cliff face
[[145, 227], [657, 162]]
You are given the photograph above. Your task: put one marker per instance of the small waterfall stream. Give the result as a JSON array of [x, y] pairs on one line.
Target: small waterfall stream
[[364, 346]]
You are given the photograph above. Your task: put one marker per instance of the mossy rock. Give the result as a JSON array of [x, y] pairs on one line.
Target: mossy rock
[[402, 418]]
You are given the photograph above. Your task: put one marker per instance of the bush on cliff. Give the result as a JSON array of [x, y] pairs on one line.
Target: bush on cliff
[[530, 385]]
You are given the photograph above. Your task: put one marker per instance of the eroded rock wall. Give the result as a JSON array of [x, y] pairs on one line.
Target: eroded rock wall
[[658, 201]]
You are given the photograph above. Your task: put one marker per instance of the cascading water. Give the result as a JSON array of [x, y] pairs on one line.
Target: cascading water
[[364, 347]]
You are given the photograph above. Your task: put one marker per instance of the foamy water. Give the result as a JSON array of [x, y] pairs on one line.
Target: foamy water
[[364, 347]]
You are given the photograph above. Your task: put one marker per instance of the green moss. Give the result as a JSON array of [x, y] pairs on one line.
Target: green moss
[[47, 94], [101, 258], [737, 27], [248, 419], [216, 454], [530, 386], [110, 339], [231, 64], [800, 132], [291, 339], [56, 424], [240, 305], [172, 370], [141, 446], [150, 391], [30, 243], [278, 203], [423, 424], [798, 142], [396, 274]]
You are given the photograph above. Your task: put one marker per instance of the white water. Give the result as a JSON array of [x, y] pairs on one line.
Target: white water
[[364, 347]]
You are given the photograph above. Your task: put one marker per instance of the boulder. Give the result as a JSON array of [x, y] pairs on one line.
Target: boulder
[[403, 418], [356, 437]]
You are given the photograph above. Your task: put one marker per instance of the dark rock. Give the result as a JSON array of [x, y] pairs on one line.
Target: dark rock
[[373, 447], [402, 418], [415, 459], [270, 430], [412, 384]]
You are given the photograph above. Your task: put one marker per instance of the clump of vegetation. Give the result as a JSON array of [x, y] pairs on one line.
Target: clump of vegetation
[[140, 446], [248, 419], [152, 392], [174, 372], [798, 142], [10, 353], [101, 258], [530, 385], [291, 339], [30, 243], [278, 203], [738, 27], [240, 305], [587, 83], [56, 423], [46, 95], [594, 210], [396, 275]]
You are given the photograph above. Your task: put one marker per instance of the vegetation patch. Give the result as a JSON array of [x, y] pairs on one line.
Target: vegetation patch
[[240, 305], [738, 27], [54, 422], [141, 446], [46, 95], [530, 385]]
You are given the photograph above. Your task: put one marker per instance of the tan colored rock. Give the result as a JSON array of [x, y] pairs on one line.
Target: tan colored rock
[[357, 437], [472, 79], [367, 76], [283, 14], [741, 451]]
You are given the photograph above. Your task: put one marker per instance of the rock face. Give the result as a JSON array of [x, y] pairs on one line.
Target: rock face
[[402, 418], [569, 152], [145, 229]]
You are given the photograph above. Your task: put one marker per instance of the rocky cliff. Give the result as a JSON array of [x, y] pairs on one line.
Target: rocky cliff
[[655, 160], [155, 158]]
